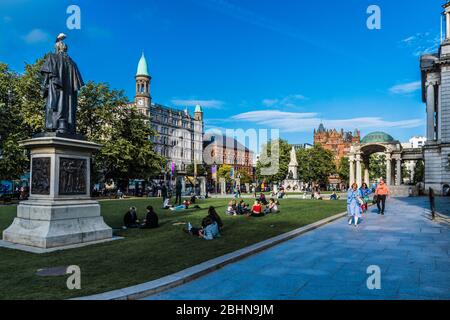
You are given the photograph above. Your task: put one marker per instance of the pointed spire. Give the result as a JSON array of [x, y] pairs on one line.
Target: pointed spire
[[142, 69]]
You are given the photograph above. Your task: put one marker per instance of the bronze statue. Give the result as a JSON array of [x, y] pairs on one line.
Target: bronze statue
[[62, 81]]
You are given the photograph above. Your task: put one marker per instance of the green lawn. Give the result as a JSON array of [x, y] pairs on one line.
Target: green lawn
[[145, 255]]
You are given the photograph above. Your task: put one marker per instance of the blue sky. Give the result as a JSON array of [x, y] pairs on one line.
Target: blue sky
[[253, 63]]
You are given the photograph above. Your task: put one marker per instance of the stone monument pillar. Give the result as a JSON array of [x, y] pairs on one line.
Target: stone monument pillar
[[292, 183], [59, 211]]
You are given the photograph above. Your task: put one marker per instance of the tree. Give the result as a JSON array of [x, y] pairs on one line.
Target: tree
[[244, 177], [127, 151], [377, 166], [283, 164], [419, 172], [13, 159], [224, 171], [344, 169], [316, 165]]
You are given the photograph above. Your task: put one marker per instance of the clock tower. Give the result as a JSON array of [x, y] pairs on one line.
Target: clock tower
[[143, 98]]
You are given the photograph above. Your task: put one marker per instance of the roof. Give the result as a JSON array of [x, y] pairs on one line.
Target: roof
[[378, 137], [321, 128], [198, 108], [224, 141], [142, 69]]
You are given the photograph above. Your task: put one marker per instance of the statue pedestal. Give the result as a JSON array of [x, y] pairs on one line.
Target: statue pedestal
[[59, 211], [291, 185]]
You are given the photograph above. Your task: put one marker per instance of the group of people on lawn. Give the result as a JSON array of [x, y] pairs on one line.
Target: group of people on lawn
[[257, 210], [358, 200], [211, 224]]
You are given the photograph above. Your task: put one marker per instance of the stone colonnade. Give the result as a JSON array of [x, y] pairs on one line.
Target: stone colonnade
[[393, 169]]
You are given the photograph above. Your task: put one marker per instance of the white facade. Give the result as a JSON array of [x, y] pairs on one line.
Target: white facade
[[436, 94]]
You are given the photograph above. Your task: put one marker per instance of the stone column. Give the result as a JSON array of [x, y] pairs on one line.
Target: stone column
[[358, 170], [367, 175], [430, 111], [388, 169], [447, 25], [352, 170], [399, 178]]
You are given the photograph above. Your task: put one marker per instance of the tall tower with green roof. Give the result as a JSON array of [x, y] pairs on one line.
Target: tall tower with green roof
[[143, 98]]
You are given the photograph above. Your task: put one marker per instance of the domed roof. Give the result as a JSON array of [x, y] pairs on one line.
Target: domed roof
[[142, 69], [377, 137]]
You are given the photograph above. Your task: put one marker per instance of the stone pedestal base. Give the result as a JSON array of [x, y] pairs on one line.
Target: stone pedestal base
[[292, 186], [50, 224], [59, 212]]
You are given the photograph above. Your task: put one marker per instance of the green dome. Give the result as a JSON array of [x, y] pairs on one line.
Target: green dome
[[377, 137], [142, 69], [198, 108]]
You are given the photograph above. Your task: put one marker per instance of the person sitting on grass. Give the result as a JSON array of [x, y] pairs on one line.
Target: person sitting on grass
[[242, 208], [334, 196], [262, 199], [272, 207], [151, 220], [166, 204], [232, 209], [256, 209], [130, 220], [209, 230], [212, 213]]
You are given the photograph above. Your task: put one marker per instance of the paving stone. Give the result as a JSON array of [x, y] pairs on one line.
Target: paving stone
[[331, 262]]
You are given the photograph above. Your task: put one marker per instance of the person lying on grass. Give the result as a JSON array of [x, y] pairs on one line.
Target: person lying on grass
[[151, 220], [209, 230], [130, 219], [184, 206], [272, 207]]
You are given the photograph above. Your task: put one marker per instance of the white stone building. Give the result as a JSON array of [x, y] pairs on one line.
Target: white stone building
[[436, 94], [180, 134]]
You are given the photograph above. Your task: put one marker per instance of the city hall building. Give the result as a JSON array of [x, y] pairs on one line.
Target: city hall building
[[436, 94], [180, 134]]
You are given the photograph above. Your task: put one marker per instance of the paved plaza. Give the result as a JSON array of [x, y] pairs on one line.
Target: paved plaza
[[331, 262]]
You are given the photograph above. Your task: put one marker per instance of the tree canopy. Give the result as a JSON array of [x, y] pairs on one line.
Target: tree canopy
[[315, 165]]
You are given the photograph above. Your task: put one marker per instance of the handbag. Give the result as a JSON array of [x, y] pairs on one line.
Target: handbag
[[375, 199]]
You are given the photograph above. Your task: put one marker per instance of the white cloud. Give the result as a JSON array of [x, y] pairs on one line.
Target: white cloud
[[290, 101], [422, 43], [306, 122], [406, 88], [36, 36], [209, 104]]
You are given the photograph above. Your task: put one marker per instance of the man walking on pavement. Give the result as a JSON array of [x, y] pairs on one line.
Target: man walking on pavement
[[382, 192]]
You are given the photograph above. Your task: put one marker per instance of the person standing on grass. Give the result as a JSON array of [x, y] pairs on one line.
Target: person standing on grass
[[382, 192], [178, 188], [354, 201], [164, 193]]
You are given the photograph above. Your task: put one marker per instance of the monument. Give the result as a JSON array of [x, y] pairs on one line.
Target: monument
[[292, 183], [59, 211]]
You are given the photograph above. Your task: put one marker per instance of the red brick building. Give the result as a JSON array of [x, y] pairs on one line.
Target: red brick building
[[339, 142]]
